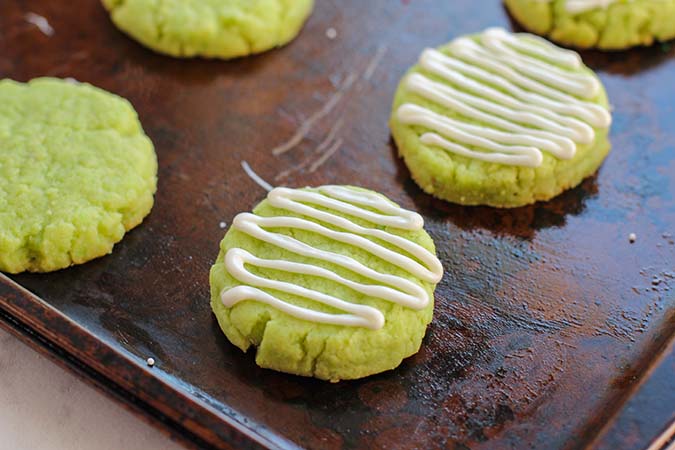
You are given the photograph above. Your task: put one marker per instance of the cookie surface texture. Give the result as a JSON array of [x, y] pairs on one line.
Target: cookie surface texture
[[602, 24], [333, 282], [500, 119], [76, 172], [210, 28]]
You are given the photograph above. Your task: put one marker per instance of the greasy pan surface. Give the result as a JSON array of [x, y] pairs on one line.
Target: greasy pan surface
[[547, 316]]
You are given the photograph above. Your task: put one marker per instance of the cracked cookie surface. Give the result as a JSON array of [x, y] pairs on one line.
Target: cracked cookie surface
[[317, 347], [616, 25], [76, 172], [210, 28]]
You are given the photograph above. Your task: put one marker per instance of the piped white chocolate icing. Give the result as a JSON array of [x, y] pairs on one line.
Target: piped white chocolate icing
[[337, 204], [511, 97]]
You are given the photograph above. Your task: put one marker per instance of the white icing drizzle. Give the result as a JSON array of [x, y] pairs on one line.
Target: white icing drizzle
[[255, 177], [40, 22], [519, 91], [368, 206], [581, 6]]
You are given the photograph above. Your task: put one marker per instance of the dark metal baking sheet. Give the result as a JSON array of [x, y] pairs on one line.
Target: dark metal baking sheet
[[547, 320]]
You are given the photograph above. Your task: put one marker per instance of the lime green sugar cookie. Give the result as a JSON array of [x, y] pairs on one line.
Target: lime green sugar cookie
[[76, 172], [210, 28], [500, 119], [603, 24], [335, 282]]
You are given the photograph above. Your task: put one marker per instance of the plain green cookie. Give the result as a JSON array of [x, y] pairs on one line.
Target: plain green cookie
[[621, 25], [326, 351], [210, 28], [468, 181], [76, 172]]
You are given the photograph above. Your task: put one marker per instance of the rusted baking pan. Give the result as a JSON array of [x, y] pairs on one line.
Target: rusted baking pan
[[547, 321]]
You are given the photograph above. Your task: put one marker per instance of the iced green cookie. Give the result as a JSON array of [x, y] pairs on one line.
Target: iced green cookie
[[603, 24], [335, 282], [76, 172], [210, 28], [500, 119]]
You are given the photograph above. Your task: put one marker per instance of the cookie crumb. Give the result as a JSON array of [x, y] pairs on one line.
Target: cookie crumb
[[150, 361], [331, 33], [632, 238]]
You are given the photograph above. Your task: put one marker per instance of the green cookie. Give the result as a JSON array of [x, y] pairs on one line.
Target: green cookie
[[607, 25], [500, 119], [76, 172], [335, 282], [210, 28]]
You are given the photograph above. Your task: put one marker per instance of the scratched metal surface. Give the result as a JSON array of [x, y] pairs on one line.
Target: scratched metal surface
[[547, 315]]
